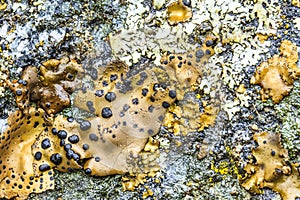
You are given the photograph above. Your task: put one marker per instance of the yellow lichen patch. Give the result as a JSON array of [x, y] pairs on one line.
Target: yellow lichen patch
[[262, 37], [128, 107], [225, 167], [143, 165], [185, 70], [271, 168], [208, 117], [56, 147], [51, 88], [3, 5], [17, 177], [296, 3], [186, 117], [178, 12], [277, 75], [147, 193], [222, 168]]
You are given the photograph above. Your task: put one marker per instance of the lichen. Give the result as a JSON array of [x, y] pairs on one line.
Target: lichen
[[288, 112], [144, 166], [185, 70], [18, 178], [50, 86], [127, 106], [296, 3], [179, 12], [271, 168], [277, 75]]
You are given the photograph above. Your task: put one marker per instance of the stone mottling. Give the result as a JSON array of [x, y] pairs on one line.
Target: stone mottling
[[248, 32]]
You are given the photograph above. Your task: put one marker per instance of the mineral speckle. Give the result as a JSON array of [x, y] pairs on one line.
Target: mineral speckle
[[204, 163]]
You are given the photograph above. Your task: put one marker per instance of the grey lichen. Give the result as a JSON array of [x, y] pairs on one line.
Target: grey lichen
[[289, 111]]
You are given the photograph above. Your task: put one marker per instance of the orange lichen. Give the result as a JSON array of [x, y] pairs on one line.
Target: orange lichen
[[262, 37], [186, 118], [208, 117], [241, 89], [277, 75], [272, 168], [296, 3], [3, 5], [127, 111], [18, 178], [185, 70], [143, 165], [50, 88], [179, 12], [183, 119], [127, 106]]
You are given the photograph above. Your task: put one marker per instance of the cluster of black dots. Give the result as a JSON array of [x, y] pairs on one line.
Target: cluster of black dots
[[56, 158], [199, 54], [32, 181]]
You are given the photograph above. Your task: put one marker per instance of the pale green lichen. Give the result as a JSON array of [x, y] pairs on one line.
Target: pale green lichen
[[288, 112]]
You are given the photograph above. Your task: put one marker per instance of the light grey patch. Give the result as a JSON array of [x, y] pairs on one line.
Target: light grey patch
[[118, 85], [140, 82], [150, 108], [121, 114], [126, 107], [199, 53], [114, 126], [161, 118], [93, 137], [143, 76]]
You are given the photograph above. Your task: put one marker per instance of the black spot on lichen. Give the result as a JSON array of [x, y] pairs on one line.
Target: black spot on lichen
[[106, 112], [73, 139], [38, 155], [62, 134], [93, 137], [46, 143], [56, 159], [85, 125], [110, 96], [44, 167]]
